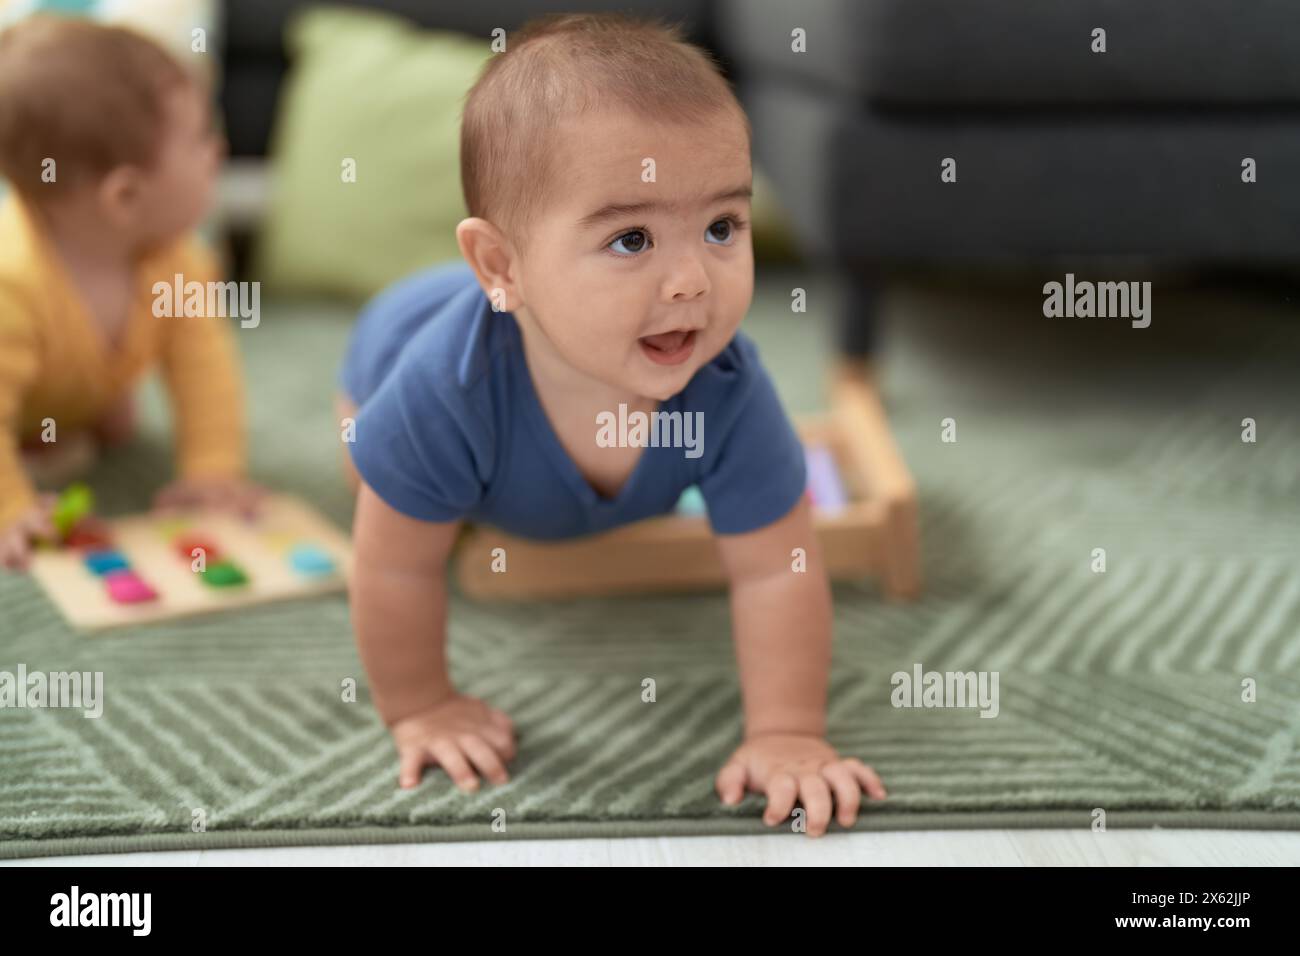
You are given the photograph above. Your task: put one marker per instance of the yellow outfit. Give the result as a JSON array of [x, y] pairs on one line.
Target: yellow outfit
[[55, 362]]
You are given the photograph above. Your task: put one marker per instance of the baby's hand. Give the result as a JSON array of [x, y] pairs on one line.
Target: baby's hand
[[228, 494], [462, 735], [798, 767], [16, 538]]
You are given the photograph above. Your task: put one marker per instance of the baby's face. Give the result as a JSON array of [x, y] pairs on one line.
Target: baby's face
[[178, 188], [639, 283]]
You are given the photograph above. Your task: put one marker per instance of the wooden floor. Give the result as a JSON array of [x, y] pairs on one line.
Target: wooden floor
[[908, 848]]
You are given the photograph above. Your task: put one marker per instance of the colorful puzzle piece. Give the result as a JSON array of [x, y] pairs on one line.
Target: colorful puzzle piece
[[76, 502], [310, 560], [279, 540], [170, 528], [89, 534], [127, 587], [691, 502], [824, 479], [187, 544], [224, 574], [104, 562]]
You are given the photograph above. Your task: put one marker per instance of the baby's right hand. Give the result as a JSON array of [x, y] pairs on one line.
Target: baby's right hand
[[461, 734], [16, 538]]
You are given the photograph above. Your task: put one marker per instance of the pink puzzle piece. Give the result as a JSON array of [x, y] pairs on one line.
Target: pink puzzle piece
[[126, 587]]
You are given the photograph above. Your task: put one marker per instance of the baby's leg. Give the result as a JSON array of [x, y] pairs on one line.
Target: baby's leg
[[344, 407]]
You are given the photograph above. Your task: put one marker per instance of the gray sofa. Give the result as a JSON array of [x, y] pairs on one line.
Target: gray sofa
[[1062, 155]]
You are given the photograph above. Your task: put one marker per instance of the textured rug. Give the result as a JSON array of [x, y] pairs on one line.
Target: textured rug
[[1124, 695]]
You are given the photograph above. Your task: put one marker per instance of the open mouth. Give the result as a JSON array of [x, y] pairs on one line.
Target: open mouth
[[669, 348]]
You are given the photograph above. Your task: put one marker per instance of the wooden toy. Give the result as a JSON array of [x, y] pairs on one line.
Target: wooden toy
[[152, 567], [865, 519]]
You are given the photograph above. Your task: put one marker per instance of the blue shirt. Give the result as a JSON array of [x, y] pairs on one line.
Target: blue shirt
[[449, 425]]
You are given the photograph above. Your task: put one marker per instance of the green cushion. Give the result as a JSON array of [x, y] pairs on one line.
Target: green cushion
[[369, 87]]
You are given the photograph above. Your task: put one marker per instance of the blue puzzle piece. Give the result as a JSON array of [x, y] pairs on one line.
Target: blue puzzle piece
[[691, 502], [102, 562], [311, 561]]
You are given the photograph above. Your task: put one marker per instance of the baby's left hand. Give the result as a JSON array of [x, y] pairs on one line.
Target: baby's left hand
[[229, 494], [802, 768]]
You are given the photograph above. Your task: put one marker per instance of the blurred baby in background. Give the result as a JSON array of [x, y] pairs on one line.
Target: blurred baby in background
[[108, 144]]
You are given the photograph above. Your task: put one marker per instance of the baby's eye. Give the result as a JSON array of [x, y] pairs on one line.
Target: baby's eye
[[633, 242], [719, 231]]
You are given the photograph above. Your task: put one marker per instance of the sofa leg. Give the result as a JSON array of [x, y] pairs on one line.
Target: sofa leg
[[857, 333], [859, 323]]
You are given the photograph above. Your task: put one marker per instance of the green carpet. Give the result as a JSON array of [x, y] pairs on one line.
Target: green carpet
[[1120, 691]]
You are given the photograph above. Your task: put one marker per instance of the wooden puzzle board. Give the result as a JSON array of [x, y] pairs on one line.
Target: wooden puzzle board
[[260, 547]]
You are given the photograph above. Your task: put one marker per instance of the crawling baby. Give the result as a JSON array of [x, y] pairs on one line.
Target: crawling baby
[[607, 266], [109, 149]]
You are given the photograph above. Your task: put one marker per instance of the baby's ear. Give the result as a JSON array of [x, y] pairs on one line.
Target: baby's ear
[[487, 252], [119, 192]]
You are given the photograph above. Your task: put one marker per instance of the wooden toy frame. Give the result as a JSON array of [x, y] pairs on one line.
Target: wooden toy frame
[[80, 595], [875, 535]]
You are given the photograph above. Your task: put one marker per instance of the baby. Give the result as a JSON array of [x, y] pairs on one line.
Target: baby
[[109, 149], [606, 168]]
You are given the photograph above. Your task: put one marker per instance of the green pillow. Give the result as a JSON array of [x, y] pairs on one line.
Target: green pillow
[[367, 87]]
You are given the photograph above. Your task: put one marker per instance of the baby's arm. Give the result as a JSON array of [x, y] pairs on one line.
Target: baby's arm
[[399, 611], [23, 516], [200, 364], [781, 622]]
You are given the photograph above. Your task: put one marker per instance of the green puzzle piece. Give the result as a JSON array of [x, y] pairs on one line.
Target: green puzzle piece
[[76, 502], [224, 574]]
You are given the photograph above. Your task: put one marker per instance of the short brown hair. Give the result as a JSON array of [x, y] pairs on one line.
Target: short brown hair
[[564, 64], [89, 96]]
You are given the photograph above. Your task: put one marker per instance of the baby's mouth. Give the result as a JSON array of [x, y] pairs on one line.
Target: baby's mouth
[[669, 348], [667, 341]]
